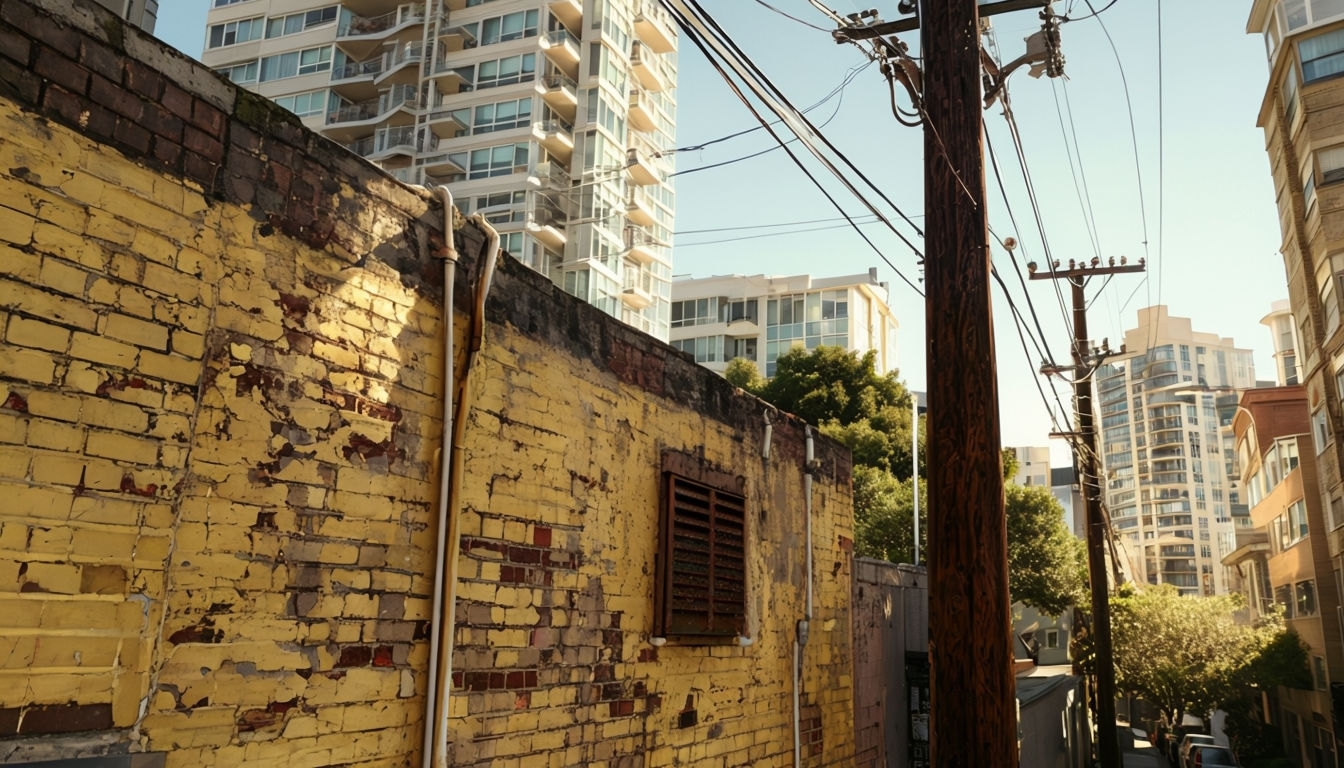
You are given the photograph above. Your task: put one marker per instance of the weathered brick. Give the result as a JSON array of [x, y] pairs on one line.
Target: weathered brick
[[136, 331], [61, 70], [34, 333], [96, 349]]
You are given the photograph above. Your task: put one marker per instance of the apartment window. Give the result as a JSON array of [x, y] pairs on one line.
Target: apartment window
[[1330, 305], [1283, 595], [705, 349], [510, 26], [1306, 598], [499, 207], [1322, 56], [502, 115], [1052, 638], [1336, 516], [295, 63], [740, 309], [497, 161], [298, 22], [303, 104], [222, 3], [234, 32], [1289, 98], [506, 71], [1320, 430], [1297, 520], [741, 348], [1308, 187], [700, 590], [695, 312], [240, 73], [1330, 164]]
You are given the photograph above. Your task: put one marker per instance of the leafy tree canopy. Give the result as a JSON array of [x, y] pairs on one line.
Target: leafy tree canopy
[[744, 374], [1047, 564], [1189, 654], [842, 393], [884, 515]]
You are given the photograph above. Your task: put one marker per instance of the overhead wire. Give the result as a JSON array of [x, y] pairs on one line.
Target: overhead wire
[[788, 15], [1078, 172], [755, 226], [754, 74], [767, 150], [776, 234], [692, 33], [1134, 142], [838, 90]]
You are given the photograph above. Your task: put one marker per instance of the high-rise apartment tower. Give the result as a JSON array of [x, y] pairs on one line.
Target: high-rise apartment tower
[[1166, 409], [550, 118]]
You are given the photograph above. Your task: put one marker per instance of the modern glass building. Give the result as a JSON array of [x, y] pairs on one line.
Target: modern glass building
[[550, 118], [1165, 408], [759, 318]]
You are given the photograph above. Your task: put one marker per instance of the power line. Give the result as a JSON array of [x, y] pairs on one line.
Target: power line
[[838, 90], [684, 21], [756, 226], [774, 234], [795, 18], [753, 74], [765, 151], [1094, 12]]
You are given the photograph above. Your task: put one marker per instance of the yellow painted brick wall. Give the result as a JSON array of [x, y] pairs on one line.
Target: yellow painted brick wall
[[219, 417], [554, 662]]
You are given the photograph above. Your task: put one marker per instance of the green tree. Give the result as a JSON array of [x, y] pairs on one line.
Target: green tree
[[744, 374], [1047, 566], [842, 393], [884, 515], [1188, 654]]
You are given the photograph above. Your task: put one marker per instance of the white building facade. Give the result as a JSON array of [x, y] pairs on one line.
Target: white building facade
[[759, 318], [1165, 408], [549, 117], [142, 13]]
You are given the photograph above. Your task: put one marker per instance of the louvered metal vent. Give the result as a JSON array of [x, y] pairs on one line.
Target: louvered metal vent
[[702, 561]]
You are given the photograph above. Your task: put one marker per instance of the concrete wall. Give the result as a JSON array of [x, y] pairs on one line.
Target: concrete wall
[[891, 619], [220, 401]]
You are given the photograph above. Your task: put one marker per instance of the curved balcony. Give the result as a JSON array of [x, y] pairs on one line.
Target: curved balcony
[[355, 79], [349, 121], [654, 27], [562, 49], [647, 67], [635, 297], [557, 137], [445, 122], [642, 169], [569, 12], [361, 35], [640, 208], [446, 78], [440, 164], [642, 111], [401, 64], [561, 94], [547, 227]]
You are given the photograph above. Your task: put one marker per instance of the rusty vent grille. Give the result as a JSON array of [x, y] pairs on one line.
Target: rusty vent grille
[[703, 561]]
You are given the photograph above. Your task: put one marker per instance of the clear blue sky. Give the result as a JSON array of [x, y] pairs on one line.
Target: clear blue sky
[[1207, 223]]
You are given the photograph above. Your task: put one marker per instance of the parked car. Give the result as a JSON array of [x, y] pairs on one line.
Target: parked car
[[1171, 749], [1210, 756], [1183, 751]]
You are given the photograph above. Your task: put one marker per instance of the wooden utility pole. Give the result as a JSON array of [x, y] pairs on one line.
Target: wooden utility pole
[[974, 719], [1089, 470]]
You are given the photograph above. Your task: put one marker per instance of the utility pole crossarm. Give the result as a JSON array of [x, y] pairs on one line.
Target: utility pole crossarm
[[1089, 477], [851, 34]]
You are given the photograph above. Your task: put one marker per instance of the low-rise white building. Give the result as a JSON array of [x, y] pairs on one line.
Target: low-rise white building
[[759, 317]]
